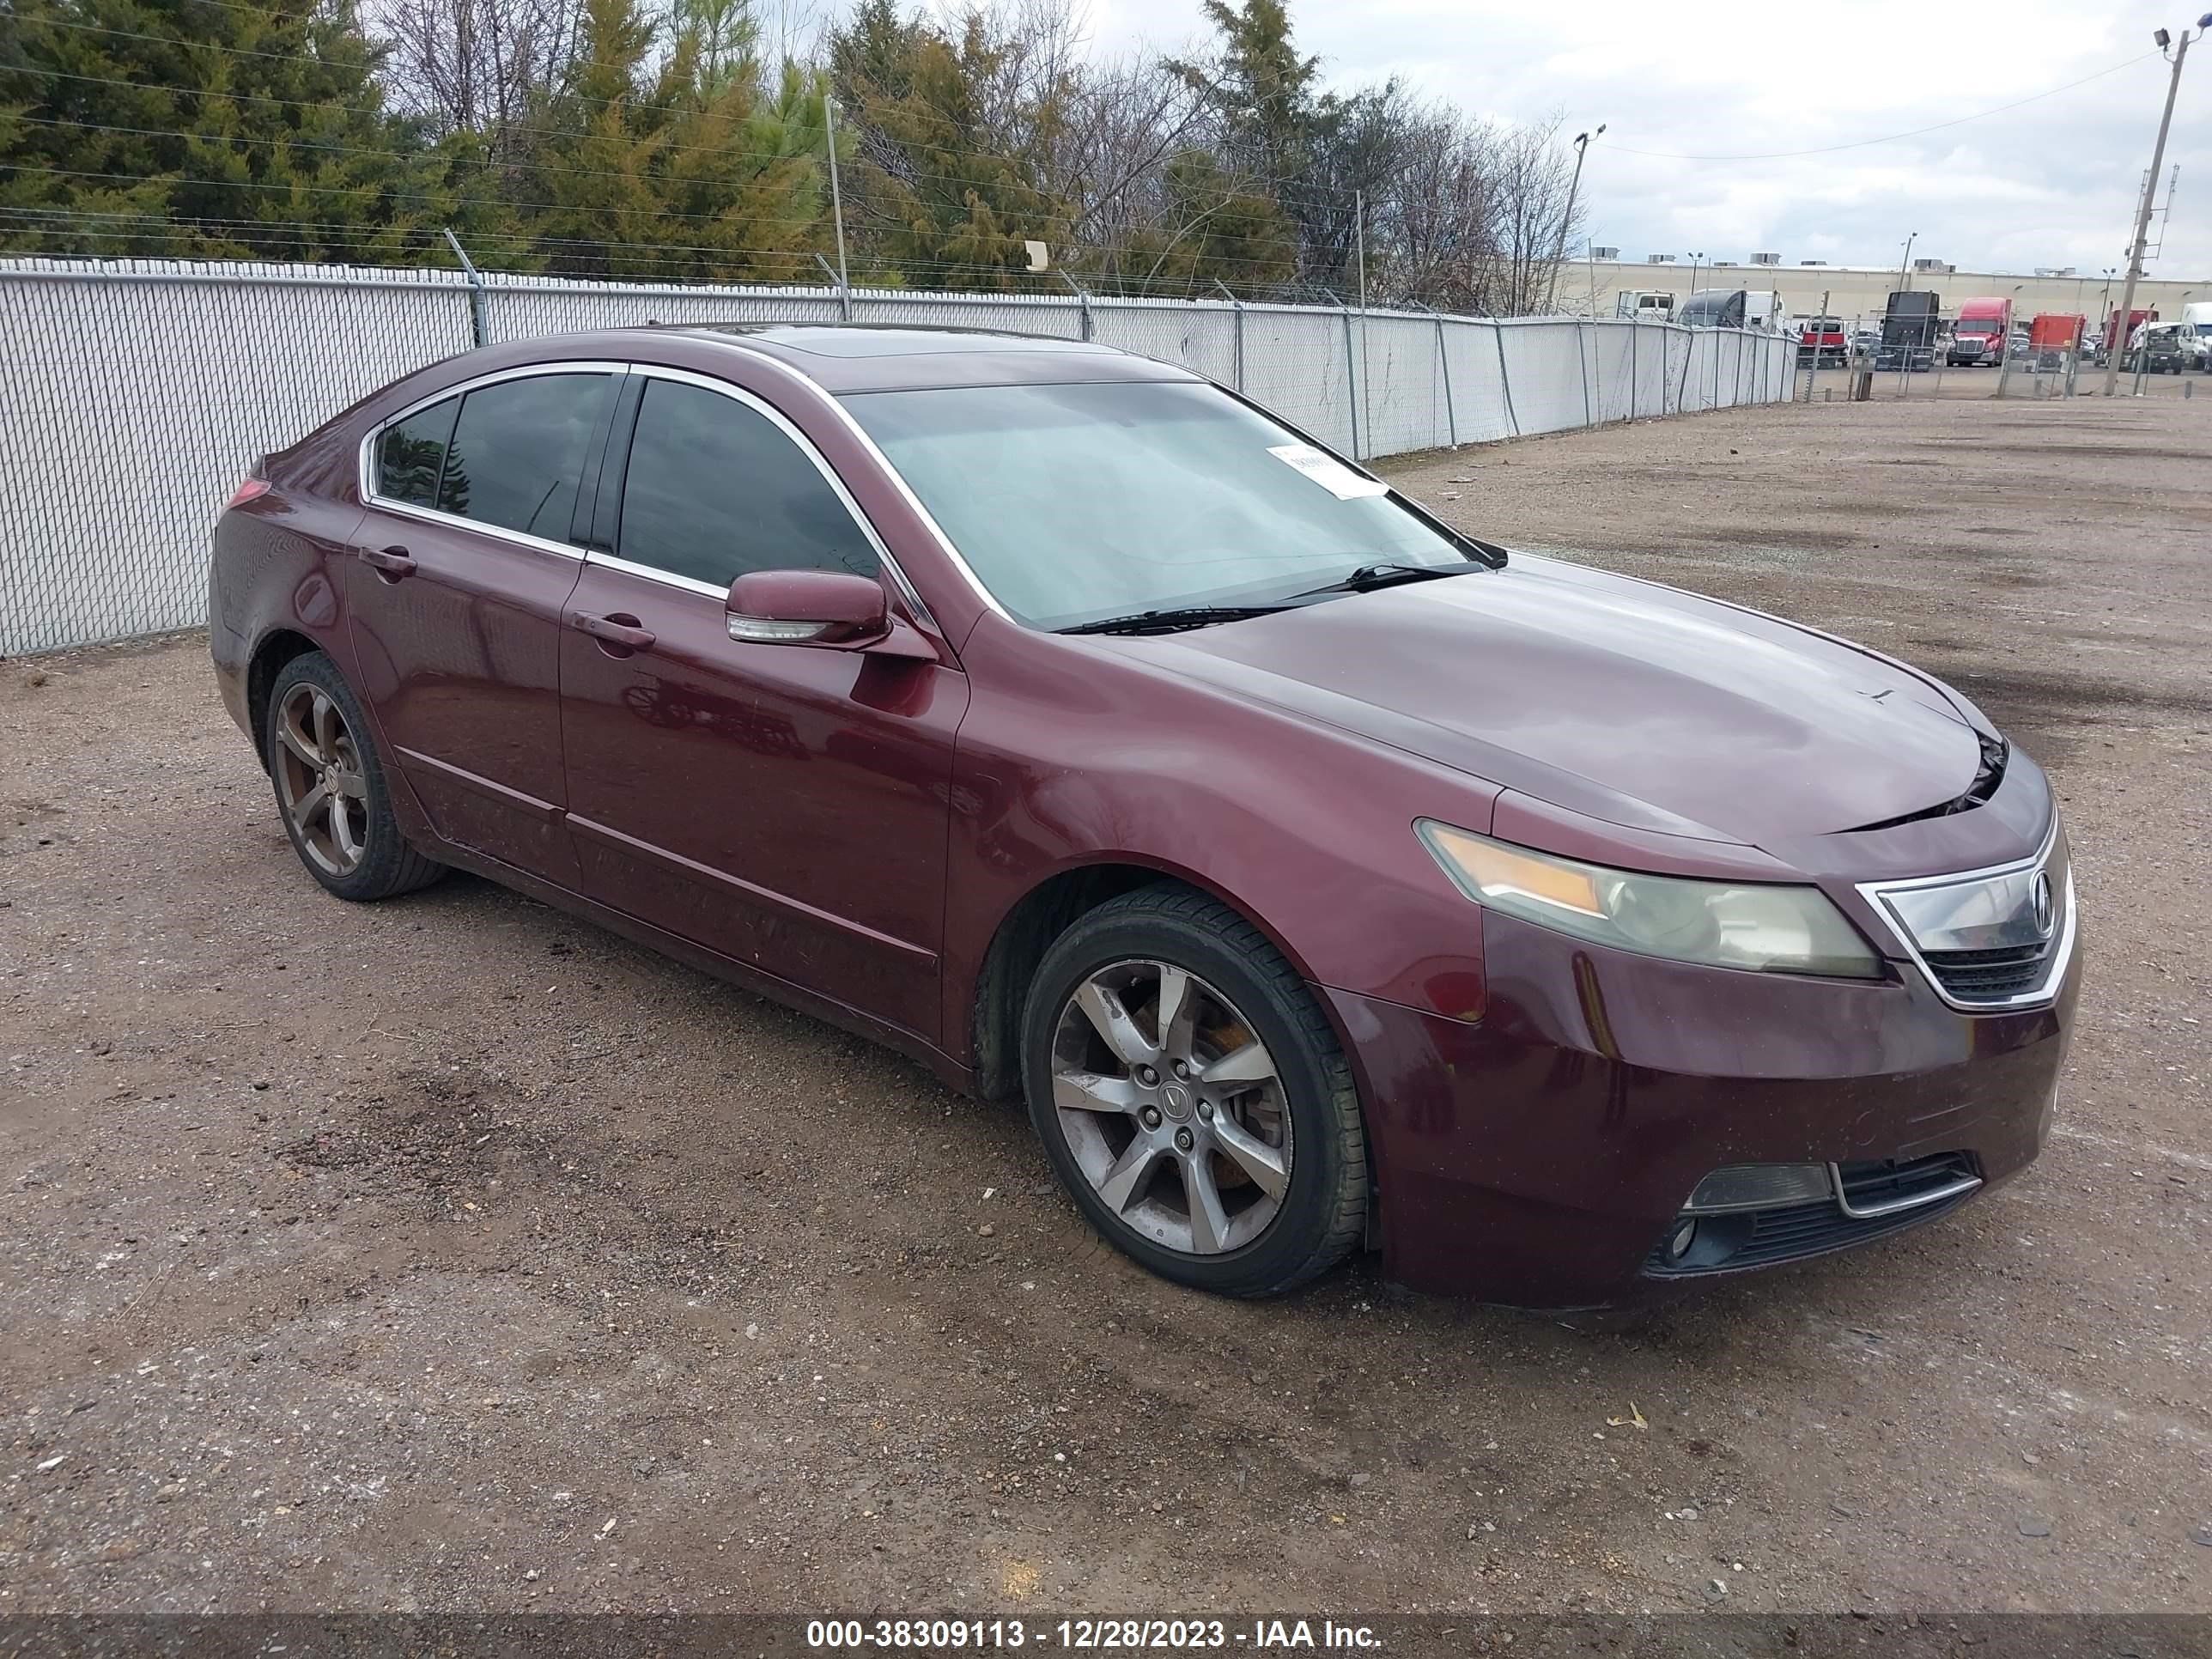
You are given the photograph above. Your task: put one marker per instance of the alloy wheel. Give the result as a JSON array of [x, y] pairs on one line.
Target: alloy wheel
[[1172, 1106], [319, 781]]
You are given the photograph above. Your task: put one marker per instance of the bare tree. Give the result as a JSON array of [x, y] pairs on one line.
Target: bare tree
[[474, 66], [1532, 172]]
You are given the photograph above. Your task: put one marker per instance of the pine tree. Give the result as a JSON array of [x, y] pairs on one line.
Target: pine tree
[[696, 174], [185, 127], [1212, 224], [1262, 88], [949, 202]]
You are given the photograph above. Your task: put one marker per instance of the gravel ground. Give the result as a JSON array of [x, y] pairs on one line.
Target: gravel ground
[[450, 1254]]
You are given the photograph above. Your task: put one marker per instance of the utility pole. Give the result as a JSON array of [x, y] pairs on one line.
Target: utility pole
[[1359, 243], [837, 202], [2114, 351], [1567, 218]]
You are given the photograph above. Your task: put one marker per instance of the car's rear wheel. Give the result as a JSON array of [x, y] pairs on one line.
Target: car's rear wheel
[[331, 786], [1192, 1098]]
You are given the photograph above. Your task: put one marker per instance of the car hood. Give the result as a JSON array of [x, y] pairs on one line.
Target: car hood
[[1622, 699]]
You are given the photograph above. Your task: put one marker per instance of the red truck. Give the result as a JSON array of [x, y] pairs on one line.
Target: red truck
[[2118, 333], [1980, 333], [1822, 340]]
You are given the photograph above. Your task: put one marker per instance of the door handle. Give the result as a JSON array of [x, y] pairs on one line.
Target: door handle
[[390, 562], [617, 629]]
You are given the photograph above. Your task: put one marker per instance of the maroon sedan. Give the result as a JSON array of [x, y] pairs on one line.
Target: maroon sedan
[[1320, 875]]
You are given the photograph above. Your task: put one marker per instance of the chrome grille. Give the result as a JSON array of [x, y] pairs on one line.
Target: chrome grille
[[1981, 974], [1989, 939]]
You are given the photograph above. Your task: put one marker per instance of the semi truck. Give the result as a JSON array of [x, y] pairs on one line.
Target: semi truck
[[1731, 308], [1979, 335], [1908, 330]]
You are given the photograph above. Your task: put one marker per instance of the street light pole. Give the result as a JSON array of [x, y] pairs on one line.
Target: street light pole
[[1905, 261], [2126, 312], [1694, 258], [1567, 218]]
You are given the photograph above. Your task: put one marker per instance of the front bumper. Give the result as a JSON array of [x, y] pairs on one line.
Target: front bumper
[[1542, 1155]]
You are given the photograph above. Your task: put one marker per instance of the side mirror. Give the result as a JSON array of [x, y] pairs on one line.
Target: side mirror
[[836, 608]]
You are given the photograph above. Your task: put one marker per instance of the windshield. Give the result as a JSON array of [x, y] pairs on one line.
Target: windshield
[[1076, 504], [1978, 326]]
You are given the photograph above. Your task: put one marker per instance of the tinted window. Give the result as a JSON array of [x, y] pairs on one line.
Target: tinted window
[[410, 454], [517, 452], [715, 488]]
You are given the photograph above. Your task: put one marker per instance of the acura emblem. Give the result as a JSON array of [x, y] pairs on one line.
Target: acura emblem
[[2042, 902]]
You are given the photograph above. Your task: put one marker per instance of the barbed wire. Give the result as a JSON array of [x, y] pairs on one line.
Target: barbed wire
[[82, 224], [453, 202]]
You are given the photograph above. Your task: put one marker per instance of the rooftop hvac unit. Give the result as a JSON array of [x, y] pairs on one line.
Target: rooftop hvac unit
[[1658, 259], [2056, 270], [1605, 253], [1932, 265], [1812, 262], [1766, 258]]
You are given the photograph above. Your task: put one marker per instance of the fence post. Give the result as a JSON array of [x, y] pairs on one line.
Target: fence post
[[1443, 363], [1634, 377], [1082, 298], [1239, 306], [476, 322], [1352, 379], [844, 293], [1506, 378], [1582, 362]]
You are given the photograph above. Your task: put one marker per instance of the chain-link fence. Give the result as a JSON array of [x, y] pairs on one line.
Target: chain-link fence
[[135, 394]]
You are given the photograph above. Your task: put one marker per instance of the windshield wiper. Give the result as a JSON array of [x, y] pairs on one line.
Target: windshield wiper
[[1173, 620], [1369, 577]]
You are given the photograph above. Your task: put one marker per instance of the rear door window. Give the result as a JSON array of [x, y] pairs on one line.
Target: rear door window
[[715, 488], [410, 453], [517, 452]]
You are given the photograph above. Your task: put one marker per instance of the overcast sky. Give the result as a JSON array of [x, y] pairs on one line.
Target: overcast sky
[[2050, 184]]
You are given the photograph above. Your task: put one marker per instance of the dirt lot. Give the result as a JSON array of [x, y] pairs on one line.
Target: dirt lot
[[450, 1254]]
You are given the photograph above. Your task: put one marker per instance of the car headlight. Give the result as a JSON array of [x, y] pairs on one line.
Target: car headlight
[[1771, 929]]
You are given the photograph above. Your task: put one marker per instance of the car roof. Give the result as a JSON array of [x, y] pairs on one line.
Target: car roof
[[847, 357]]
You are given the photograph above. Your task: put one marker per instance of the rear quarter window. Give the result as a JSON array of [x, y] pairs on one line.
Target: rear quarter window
[[410, 453]]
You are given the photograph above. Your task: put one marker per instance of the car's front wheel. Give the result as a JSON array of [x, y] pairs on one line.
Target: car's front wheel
[[330, 786], [1191, 1096]]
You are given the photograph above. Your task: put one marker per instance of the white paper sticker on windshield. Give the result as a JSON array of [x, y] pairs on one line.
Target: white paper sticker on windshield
[[1331, 474]]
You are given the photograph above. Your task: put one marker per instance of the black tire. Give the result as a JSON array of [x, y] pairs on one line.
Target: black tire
[[1323, 1213], [387, 865]]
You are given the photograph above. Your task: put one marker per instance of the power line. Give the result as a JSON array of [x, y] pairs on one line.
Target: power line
[[1886, 138], [119, 226]]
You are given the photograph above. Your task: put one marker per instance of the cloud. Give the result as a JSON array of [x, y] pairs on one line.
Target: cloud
[[2052, 184]]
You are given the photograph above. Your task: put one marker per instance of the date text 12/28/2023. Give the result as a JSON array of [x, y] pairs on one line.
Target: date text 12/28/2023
[[1084, 1635]]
